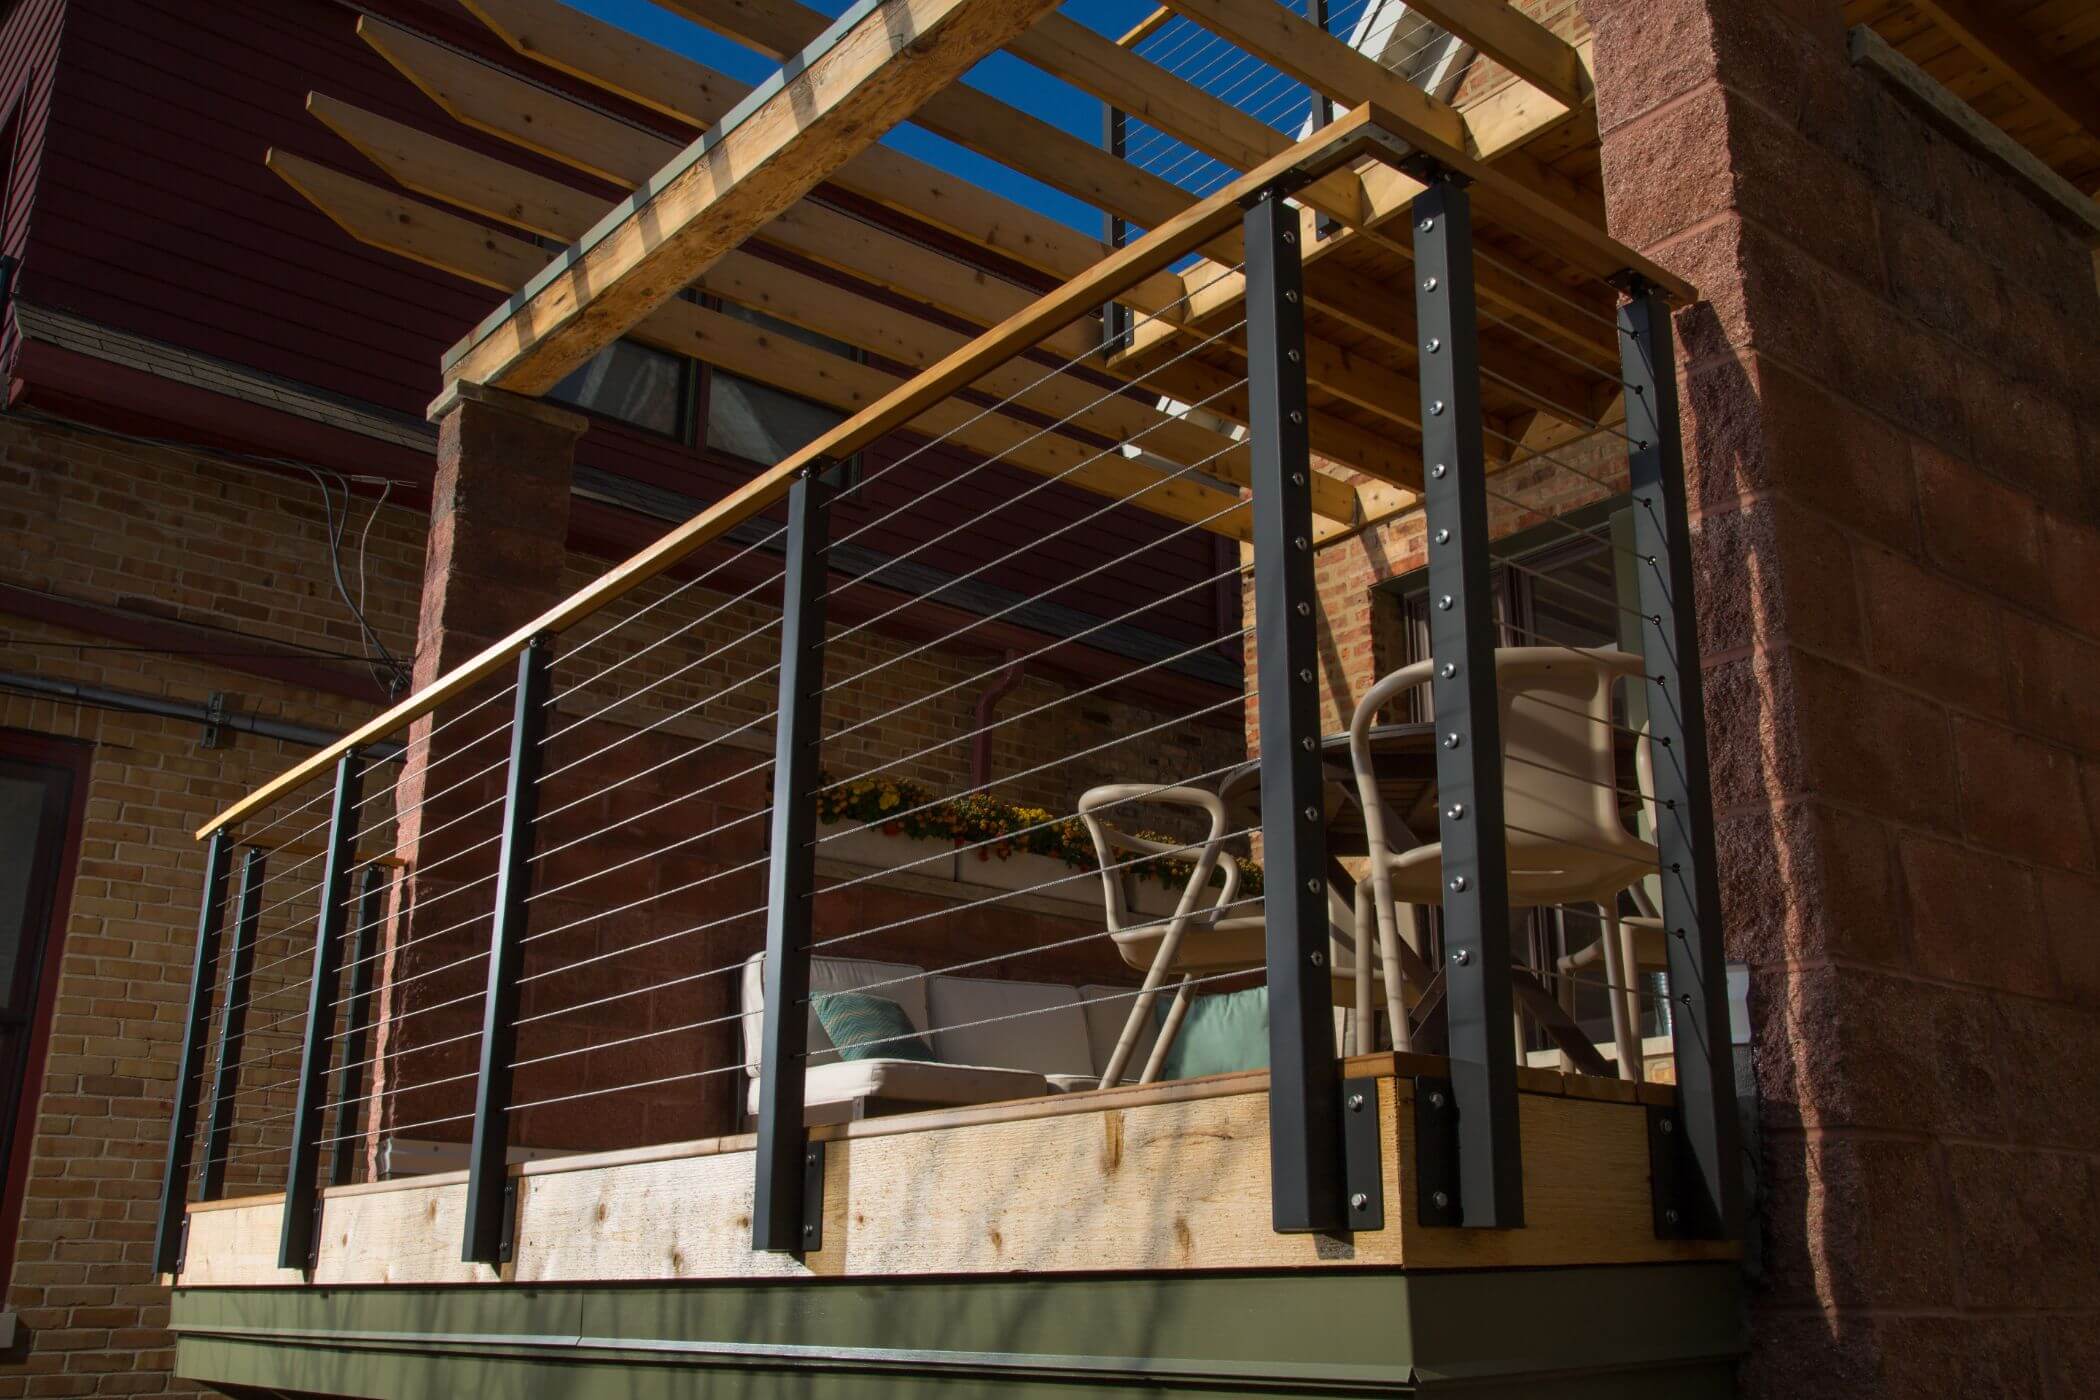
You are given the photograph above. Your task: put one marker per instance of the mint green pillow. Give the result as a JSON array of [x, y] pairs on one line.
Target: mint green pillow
[[867, 1027], [1222, 1033]]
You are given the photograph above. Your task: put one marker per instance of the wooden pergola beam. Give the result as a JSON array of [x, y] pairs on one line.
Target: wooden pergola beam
[[834, 100], [1999, 40], [563, 38], [450, 243], [466, 179]]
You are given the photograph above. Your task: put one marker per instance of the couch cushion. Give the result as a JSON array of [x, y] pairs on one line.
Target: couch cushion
[[1223, 1032], [1107, 1008], [864, 1026], [900, 982], [910, 1081], [1026, 1025]]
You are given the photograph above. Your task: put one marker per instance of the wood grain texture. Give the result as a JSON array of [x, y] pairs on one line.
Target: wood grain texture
[[1159, 1177]]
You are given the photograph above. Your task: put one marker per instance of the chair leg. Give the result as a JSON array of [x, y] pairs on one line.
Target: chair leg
[[1363, 926], [1177, 1012], [1630, 965], [1615, 983], [1395, 1001]]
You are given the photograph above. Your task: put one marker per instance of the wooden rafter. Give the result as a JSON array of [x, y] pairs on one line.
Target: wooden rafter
[[453, 244], [1998, 39], [505, 107], [443, 170], [1517, 42], [843, 94]]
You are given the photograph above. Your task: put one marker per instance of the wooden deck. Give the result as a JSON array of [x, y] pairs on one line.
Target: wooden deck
[[1139, 1179]]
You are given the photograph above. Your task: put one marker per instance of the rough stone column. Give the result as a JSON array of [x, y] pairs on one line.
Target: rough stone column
[[499, 517], [1892, 429]]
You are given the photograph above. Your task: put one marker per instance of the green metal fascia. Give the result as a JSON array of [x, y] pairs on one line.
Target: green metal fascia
[[1644, 1331]]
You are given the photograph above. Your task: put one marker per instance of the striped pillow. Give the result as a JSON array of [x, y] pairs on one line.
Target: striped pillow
[[866, 1027]]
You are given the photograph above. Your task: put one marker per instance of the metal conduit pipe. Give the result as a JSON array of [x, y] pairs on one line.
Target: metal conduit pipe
[[981, 741], [102, 698]]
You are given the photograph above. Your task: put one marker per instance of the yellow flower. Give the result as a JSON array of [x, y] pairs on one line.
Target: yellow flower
[[889, 798]]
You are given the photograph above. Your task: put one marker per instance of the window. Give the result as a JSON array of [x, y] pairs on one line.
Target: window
[[646, 388], [760, 423]]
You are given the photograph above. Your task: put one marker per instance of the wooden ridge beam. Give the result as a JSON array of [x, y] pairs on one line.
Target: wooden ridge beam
[[871, 70], [457, 245]]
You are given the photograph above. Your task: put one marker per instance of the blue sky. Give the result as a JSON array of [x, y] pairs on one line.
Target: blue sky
[[1016, 82]]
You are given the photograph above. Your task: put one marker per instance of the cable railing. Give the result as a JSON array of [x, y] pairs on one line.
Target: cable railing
[[769, 843]]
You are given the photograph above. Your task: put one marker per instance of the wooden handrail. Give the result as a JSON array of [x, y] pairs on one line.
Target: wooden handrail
[[1329, 149], [1147, 27]]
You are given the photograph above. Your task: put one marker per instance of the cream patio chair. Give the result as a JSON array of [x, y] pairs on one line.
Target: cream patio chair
[[1567, 842], [1193, 941]]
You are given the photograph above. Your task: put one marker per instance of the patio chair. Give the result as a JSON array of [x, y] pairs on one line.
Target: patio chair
[[1567, 843], [1195, 940]]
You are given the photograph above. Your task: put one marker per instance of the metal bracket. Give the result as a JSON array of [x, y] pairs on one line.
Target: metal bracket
[[313, 1246], [182, 1247], [1430, 171], [507, 1243], [812, 1197], [1361, 1166], [1682, 1211], [214, 722], [1436, 1153]]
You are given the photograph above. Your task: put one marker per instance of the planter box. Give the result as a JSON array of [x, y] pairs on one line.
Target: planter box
[[1042, 877]]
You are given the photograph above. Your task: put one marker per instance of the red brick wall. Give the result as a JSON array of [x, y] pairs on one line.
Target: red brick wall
[[1896, 448]]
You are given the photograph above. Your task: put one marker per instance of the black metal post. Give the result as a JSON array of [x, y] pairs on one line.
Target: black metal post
[[189, 1073], [1476, 968], [1115, 317], [777, 1212], [488, 1160], [233, 1027], [1306, 1167], [302, 1174], [350, 1075], [1684, 826]]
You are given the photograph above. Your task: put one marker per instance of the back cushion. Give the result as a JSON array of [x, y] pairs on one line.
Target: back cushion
[[901, 983], [1051, 1040]]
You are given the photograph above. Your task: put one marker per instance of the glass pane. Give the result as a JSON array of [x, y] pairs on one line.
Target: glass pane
[[632, 383], [756, 421], [760, 423]]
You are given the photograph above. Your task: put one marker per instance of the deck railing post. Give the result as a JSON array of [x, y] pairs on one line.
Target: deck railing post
[[777, 1213], [1115, 317], [1306, 1176], [233, 1026], [350, 1075], [1684, 825], [1475, 871], [488, 1159], [189, 1072], [295, 1241]]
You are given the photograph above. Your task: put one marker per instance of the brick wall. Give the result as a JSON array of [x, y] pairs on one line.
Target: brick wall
[[1896, 448], [100, 519]]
